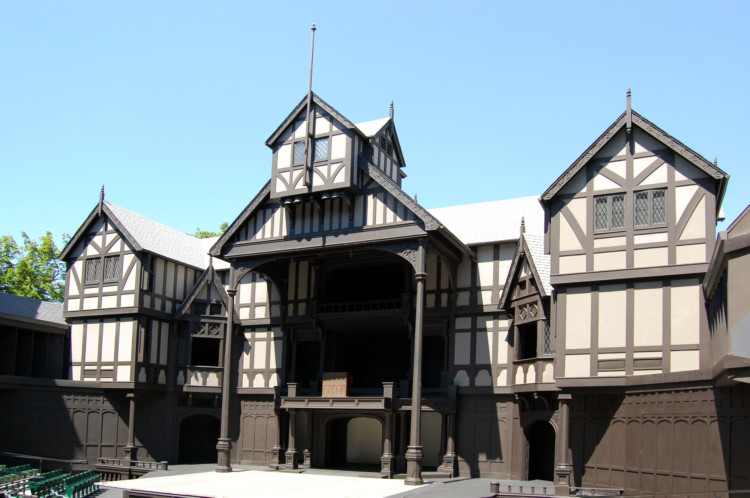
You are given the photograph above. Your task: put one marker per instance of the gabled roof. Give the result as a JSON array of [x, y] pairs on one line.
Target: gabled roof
[[647, 126], [14, 306], [300, 107], [494, 221], [431, 223], [144, 234], [208, 277], [259, 198], [531, 248]]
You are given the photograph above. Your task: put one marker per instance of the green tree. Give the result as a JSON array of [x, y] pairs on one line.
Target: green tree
[[33, 269], [204, 234]]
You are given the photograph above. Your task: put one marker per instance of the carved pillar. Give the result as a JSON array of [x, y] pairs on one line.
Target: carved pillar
[[130, 450], [449, 459], [414, 451], [386, 460], [224, 445], [291, 451], [276, 450], [564, 468]]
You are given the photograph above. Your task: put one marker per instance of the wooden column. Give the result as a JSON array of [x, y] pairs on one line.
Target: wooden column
[[564, 468], [291, 451], [224, 445], [449, 458], [386, 460], [277, 450], [414, 451], [131, 450]]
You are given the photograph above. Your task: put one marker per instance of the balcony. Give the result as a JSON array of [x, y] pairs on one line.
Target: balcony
[[199, 378], [534, 371]]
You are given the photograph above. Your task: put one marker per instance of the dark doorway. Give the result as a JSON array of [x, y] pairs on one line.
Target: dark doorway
[[541, 438], [198, 437], [336, 443]]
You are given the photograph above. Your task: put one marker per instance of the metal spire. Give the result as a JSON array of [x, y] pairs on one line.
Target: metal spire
[[390, 112], [310, 122], [628, 112]]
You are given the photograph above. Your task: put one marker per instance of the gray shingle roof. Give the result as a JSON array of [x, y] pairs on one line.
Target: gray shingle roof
[[541, 261], [370, 128], [163, 240], [26, 307], [492, 221]]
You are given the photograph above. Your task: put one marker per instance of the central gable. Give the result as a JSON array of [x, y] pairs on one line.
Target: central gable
[[378, 211], [312, 155]]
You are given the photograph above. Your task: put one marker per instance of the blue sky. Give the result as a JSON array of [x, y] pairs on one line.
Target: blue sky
[[168, 104]]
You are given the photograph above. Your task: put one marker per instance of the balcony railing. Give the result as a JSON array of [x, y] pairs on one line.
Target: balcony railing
[[193, 376], [534, 371]]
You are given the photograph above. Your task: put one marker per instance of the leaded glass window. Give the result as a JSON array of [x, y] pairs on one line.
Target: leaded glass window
[[547, 339], [650, 208], [641, 209], [618, 211], [111, 268], [93, 271], [321, 148], [609, 212], [659, 199], [299, 152], [601, 215]]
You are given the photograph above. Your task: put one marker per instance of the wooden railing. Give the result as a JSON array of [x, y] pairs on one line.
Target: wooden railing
[[534, 371], [200, 376]]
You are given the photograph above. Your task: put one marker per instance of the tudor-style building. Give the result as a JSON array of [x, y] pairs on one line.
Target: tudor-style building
[[595, 337]]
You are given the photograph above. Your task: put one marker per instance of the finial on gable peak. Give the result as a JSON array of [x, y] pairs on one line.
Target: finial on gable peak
[[101, 199], [390, 111], [628, 110], [523, 225]]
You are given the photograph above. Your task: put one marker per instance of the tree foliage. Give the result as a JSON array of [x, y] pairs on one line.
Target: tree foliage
[[204, 234], [32, 269]]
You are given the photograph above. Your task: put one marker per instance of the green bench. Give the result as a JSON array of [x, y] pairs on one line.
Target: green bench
[[82, 484], [48, 484]]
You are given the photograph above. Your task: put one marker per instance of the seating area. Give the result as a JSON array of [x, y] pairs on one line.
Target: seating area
[[24, 480]]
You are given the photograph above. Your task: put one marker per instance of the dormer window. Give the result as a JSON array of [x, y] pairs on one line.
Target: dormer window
[[321, 149], [299, 152]]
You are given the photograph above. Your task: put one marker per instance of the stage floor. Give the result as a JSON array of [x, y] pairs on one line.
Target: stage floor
[[243, 483]]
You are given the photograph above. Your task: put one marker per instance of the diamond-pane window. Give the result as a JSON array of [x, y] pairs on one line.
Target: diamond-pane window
[[659, 207], [601, 216], [111, 268], [618, 211], [93, 271], [321, 148], [641, 209], [547, 340], [299, 152]]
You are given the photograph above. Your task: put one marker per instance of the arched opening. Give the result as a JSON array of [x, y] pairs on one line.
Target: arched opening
[[541, 439], [354, 443], [198, 437]]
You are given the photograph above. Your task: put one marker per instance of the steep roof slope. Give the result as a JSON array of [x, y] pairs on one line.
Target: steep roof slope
[[493, 221]]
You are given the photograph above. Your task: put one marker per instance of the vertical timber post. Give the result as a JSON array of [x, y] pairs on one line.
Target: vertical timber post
[[131, 450], [414, 451], [564, 469], [224, 446]]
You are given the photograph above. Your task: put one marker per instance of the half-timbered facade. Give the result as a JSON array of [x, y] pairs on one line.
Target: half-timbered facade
[[595, 336]]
